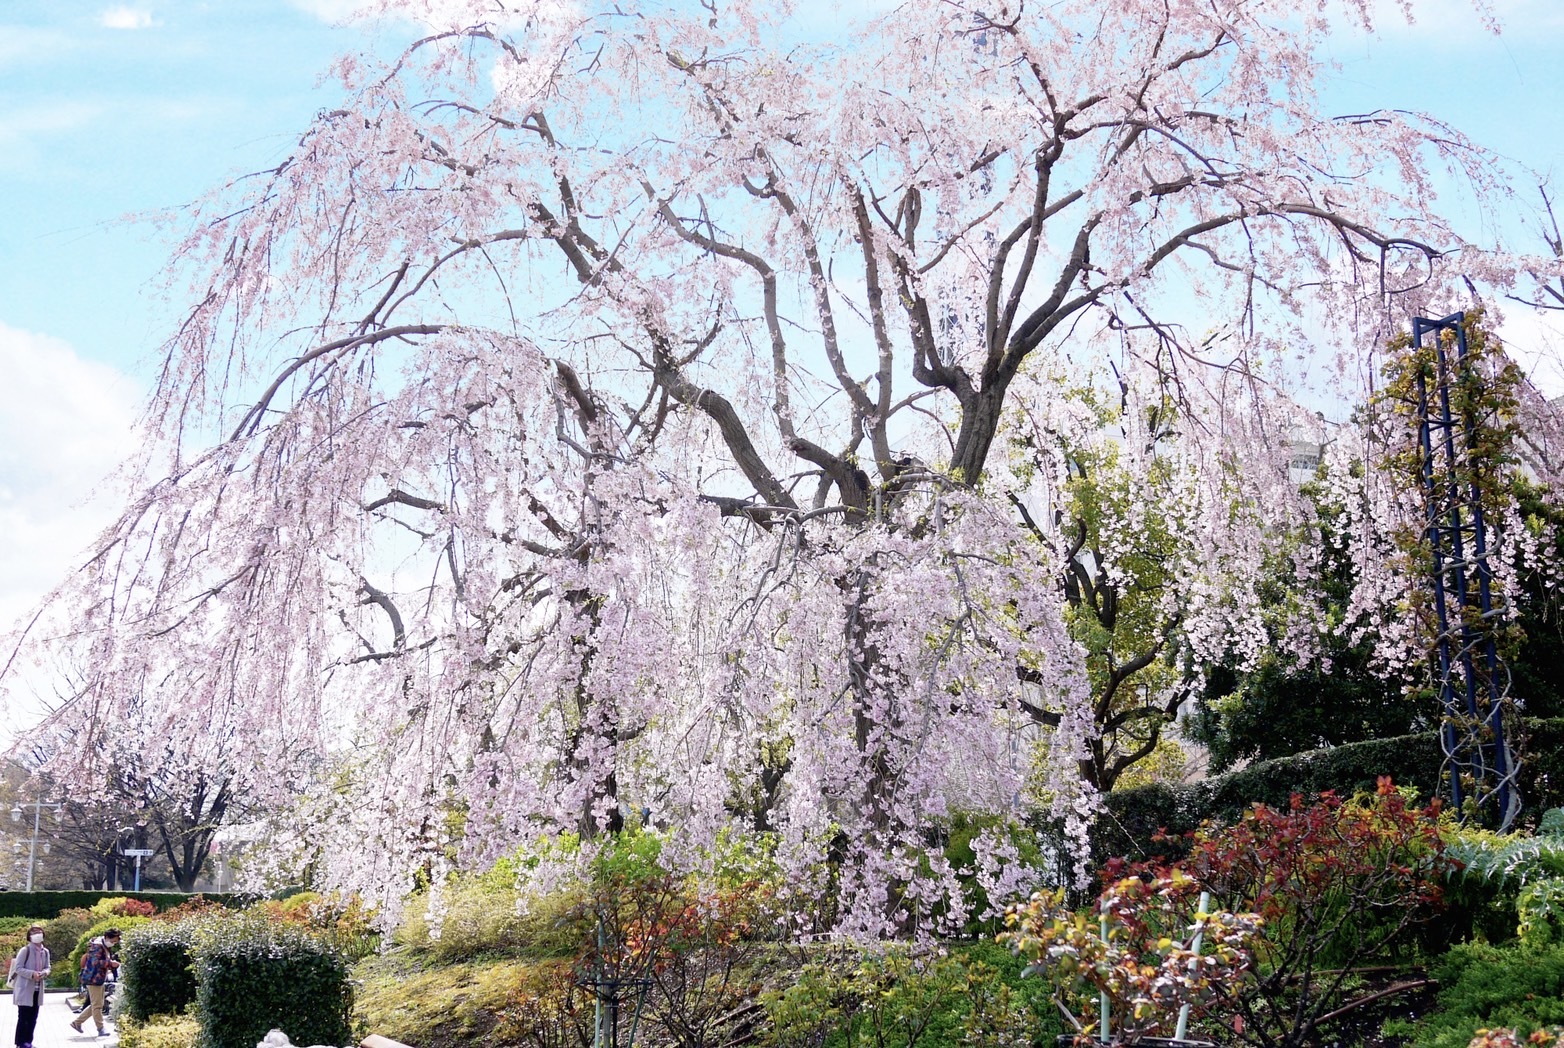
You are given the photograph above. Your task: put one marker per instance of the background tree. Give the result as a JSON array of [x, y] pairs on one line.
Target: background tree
[[1104, 519], [79, 834], [179, 811]]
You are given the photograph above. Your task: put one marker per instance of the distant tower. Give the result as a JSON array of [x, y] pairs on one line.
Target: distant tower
[[1472, 680]]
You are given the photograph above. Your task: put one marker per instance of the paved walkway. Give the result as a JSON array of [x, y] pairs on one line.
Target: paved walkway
[[54, 1025]]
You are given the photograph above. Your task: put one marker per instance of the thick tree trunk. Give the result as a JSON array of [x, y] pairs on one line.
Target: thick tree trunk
[[863, 664], [979, 422], [607, 787]]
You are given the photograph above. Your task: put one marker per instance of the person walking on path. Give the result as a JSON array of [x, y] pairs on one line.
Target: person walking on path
[[28, 971], [96, 965]]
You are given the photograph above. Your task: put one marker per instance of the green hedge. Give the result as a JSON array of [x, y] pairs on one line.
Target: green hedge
[[1131, 818], [156, 977], [254, 975], [43, 906]]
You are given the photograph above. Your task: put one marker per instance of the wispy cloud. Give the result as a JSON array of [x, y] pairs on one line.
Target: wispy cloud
[[125, 17], [1442, 22], [65, 423], [22, 128], [30, 45], [331, 10]]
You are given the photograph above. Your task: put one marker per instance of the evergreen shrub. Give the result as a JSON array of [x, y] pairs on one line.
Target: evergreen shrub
[[254, 974], [61, 935], [1483, 986], [1508, 884], [156, 977], [341, 920], [161, 1031], [912, 999], [1132, 818], [123, 906]]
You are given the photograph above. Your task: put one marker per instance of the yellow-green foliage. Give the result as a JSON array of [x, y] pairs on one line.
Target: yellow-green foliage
[[495, 1004], [160, 1031], [298, 901], [61, 935], [484, 917], [341, 920], [1540, 909]]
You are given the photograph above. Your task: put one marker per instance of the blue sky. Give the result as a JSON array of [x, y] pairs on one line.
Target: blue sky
[[108, 109]]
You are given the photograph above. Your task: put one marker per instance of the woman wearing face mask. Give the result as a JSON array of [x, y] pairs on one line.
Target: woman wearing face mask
[[28, 972]]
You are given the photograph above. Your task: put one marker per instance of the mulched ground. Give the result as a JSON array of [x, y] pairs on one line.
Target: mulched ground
[[1364, 1027]]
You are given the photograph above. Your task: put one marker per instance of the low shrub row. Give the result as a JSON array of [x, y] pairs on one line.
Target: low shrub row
[[973, 996], [68, 932]]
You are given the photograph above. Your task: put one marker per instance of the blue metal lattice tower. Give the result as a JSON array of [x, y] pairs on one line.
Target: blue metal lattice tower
[[1472, 680]]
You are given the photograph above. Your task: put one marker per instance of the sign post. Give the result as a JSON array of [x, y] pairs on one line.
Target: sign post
[[138, 854]]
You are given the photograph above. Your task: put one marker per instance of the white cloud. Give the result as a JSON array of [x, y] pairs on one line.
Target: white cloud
[[22, 128], [65, 424], [1535, 341], [123, 17], [21, 122]]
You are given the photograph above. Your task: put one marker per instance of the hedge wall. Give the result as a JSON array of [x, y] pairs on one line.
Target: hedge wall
[[155, 975], [1131, 818], [44, 906], [253, 975]]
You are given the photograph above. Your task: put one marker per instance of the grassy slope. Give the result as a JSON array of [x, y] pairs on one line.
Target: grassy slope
[[469, 1003]]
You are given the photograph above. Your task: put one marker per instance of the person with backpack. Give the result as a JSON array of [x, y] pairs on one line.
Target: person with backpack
[[28, 971], [96, 966]]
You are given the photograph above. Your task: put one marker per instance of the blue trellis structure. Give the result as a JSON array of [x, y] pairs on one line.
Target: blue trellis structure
[[1472, 680]]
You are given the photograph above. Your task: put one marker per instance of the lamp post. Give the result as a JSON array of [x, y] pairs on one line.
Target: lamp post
[[32, 847]]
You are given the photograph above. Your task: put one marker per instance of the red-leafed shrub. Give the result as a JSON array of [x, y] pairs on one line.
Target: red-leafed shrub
[[194, 906], [1340, 885]]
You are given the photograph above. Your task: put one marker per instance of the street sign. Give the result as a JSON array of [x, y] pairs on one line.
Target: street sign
[[140, 853]]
